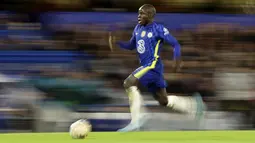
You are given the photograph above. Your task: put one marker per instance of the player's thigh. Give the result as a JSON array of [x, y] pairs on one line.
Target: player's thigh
[[147, 82], [144, 75], [153, 81], [159, 85], [141, 74], [158, 89]]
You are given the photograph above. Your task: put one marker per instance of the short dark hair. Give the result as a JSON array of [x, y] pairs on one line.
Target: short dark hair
[[150, 9]]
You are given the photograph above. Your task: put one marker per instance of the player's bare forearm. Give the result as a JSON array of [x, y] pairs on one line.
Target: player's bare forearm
[[123, 45], [177, 65], [111, 41]]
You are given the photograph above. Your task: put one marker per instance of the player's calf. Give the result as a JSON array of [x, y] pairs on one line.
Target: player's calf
[[161, 97], [190, 104], [162, 100], [193, 105]]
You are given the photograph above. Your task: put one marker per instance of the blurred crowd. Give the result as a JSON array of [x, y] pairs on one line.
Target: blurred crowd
[[60, 60], [198, 6], [206, 48]]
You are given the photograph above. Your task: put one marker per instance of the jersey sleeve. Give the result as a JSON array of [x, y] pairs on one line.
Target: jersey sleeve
[[129, 45], [168, 38]]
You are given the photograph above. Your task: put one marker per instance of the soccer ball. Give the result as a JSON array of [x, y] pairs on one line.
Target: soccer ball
[[80, 129]]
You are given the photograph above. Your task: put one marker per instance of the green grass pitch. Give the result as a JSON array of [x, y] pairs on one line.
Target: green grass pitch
[[135, 137]]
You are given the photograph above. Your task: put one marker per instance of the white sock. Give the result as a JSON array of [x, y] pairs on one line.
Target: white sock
[[136, 102], [181, 104]]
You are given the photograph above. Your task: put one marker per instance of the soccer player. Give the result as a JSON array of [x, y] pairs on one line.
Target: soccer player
[[148, 38]]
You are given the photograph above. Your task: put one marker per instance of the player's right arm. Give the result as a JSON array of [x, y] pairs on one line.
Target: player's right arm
[[131, 44]]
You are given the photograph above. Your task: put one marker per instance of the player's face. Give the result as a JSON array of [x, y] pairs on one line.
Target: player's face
[[143, 16]]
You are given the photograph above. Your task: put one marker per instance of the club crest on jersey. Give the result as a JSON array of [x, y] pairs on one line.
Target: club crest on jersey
[[143, 33], [149, 34]]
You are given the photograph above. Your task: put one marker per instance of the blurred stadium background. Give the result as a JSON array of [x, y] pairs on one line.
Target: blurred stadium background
[[56, 65]]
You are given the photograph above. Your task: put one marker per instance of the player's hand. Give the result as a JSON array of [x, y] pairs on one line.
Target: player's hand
[[111, 41], [177, 65]]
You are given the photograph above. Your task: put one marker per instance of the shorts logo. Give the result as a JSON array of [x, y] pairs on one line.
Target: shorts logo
[[143, 33], [141, 46]]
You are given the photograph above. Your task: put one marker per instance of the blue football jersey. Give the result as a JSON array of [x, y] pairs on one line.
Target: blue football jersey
[[148, 41]]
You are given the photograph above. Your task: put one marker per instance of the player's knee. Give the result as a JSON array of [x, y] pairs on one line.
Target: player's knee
[[163, 101], [126, 83]]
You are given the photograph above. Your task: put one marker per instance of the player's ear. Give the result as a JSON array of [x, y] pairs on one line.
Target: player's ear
[[151, 15]]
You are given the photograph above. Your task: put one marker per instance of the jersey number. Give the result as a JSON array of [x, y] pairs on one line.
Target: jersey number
[[141, 46]]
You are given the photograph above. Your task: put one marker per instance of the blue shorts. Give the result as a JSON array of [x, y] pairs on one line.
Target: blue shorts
[[152, 79]]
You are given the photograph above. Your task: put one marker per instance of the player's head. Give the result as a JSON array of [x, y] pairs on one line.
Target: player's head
[[146, 14]]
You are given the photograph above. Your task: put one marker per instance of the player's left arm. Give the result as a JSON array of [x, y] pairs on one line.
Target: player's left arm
[[168, 38]]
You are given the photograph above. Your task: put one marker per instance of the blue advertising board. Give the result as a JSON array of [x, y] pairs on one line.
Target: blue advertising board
[[170, 20]]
